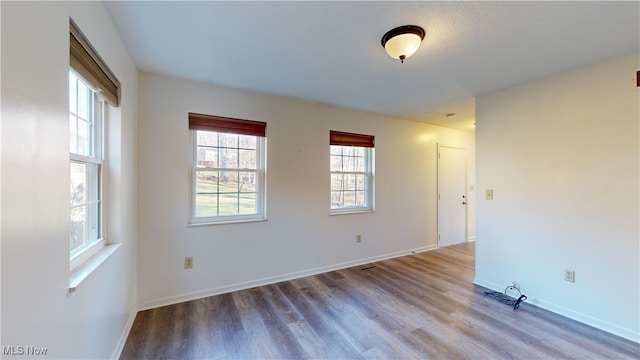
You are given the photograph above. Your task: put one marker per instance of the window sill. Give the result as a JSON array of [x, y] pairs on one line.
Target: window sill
[[225, 222], [83, 271], [351, 211]]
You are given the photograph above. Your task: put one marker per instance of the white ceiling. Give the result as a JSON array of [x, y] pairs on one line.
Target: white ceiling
[[330, 52]]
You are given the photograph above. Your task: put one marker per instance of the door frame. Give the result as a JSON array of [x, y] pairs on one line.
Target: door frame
[[466, 190]]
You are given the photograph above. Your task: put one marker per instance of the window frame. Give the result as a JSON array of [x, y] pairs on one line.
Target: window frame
[[86, 64], [367, 143], [94, 163], [225, 125]]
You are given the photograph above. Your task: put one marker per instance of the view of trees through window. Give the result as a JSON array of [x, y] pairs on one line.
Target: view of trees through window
[[348, 176], [225, 174], [84, 148]]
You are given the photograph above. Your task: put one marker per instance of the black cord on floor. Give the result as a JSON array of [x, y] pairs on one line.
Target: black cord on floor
[[520, 299], [506, 299]]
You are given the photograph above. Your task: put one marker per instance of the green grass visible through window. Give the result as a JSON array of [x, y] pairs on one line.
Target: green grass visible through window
[[219, 197]]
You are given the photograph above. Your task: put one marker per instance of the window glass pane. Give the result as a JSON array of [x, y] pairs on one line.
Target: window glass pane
[[344, 163], [248, 159], [247, 182], [248, 142], [360, 182], [228, 204], [228, 190], [93, 222], [85, 204], [349, 182], [359, 163], [358, 151], [83, 140], [337, 199], [206, 205], [349, 199], [348, 163], [361, 198], [83, 100], [81, 122], [335, 149], [229, 158], [336, 163], [336, 182], [78, 227], [207, 138], [247, 193], [228, 140], [208, 157], [78, 177], [93, 182], [353, 163], [73, 133], [206, 198], [206, 182], [228, 181], [73, 93], [247, 204]]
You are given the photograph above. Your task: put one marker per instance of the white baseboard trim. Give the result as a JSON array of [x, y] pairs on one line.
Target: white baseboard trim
[[274, 279], [471, 238], [123, 337], [574, 315]]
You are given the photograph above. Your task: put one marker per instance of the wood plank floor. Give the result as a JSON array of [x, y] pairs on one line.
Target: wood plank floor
[[418, 306]]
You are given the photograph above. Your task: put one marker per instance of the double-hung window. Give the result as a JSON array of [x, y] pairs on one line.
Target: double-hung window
[[86, 160], [227, 169], [91, 86], [351, 169]]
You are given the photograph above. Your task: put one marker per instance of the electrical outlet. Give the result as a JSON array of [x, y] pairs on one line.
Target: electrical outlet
[[188, 262], [570, 275], [358, 238]]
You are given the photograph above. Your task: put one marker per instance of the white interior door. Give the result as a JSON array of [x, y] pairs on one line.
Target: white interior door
[[452, 195]]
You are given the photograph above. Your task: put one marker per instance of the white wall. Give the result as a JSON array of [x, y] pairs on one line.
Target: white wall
[[299, 237], [37, 308], [562, 156]]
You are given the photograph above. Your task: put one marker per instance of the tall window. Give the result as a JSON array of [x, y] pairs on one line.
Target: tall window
[[85, 147], [91, 86], [351, 168], [227, 169]]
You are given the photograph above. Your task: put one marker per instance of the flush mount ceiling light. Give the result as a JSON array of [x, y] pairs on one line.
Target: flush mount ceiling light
[[403, 41]]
